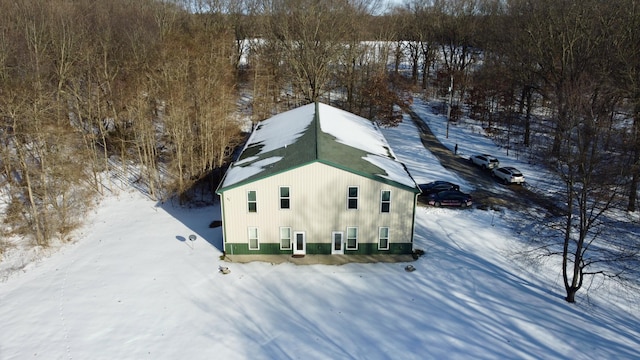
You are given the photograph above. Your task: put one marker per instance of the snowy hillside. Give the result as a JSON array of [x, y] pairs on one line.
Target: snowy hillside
[[135, 287]]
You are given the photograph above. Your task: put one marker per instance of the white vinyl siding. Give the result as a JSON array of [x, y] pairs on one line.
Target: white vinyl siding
[[313, 192]]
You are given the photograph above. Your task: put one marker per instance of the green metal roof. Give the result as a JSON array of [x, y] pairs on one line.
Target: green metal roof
[[317, 132]]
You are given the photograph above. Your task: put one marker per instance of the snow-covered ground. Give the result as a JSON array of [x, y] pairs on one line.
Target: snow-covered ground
[[134, 286]]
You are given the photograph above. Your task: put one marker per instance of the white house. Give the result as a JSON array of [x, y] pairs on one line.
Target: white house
[[317, 180]]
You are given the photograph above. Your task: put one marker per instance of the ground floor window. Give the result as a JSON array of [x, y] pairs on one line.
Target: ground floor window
[[254, 243], [352, 238], [383, 238], [285, 238]]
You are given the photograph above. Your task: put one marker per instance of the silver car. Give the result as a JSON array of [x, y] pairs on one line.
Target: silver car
[[509, 175]]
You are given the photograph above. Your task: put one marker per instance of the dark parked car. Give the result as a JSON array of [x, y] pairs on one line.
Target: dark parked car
[[437, 186], [450, 198]]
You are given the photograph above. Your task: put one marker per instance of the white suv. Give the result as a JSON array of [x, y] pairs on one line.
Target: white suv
[[485, 161], [509, 175]]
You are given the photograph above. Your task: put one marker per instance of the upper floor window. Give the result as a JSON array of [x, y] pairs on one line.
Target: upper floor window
[[352, 197], [285, 197], [385, 201], [252, 201]]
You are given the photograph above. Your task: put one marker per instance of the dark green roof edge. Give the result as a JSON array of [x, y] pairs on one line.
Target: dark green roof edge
[[265, 176], [328, 163]]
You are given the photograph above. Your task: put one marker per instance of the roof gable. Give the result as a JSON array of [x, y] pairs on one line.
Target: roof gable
[[317, 132]]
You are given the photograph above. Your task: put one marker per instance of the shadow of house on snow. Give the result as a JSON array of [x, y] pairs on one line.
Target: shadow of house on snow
[[198, 219], [198, 209]]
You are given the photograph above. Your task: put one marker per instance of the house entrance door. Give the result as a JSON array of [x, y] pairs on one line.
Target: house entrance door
[[300, 243], [337, 246]]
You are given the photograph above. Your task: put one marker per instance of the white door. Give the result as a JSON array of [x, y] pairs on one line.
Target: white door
[[299, 243], [337, 244]]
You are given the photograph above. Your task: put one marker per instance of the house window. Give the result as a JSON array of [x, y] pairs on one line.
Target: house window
[[385, 201], [285, 238], [254, 243], [383, 238], [352, 197], [285, 198], [252, 202], [352, 238]]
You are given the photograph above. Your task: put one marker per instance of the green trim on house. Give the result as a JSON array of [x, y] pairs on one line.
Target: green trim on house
[[372, 249], [265, 249], [318, 249]]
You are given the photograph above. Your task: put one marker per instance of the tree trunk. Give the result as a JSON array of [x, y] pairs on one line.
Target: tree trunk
[[569, 289], [571, 295], [525, 106]]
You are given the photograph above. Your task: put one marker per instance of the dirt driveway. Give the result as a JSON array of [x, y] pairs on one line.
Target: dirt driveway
[[489, 193]]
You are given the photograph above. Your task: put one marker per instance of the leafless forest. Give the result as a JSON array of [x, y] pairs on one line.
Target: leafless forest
[[153, 89]]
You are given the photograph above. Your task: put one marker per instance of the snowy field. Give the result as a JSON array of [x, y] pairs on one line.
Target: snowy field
[[134, 286]]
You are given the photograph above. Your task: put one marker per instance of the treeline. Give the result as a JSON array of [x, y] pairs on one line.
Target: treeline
[[559, 78], [153, 87], [141, 87], [149, 90]]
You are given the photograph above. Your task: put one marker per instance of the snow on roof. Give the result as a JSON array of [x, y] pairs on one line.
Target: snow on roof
[[237, 174], [352, 130], [395, 171], [282, 129], [317, 132]]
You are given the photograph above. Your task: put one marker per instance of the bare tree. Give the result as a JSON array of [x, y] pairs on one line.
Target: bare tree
[[455, 26], [198, 97], [310, 34], [591, 183], [562, 51]]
